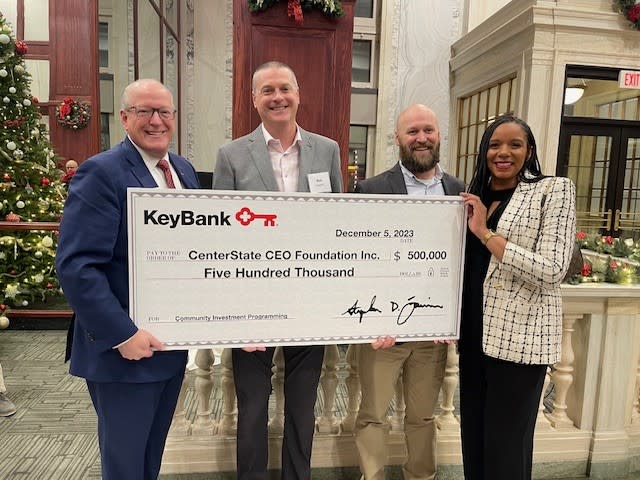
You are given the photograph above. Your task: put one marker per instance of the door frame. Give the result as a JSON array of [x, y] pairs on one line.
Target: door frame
[[619, 131]]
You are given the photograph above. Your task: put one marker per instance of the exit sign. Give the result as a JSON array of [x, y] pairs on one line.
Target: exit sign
[[629, 79]]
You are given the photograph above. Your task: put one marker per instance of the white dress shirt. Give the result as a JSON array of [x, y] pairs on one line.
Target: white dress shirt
[[416, 186], [284, 162]]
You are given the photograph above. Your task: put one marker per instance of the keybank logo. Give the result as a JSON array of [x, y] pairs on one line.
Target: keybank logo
[[186, 218]]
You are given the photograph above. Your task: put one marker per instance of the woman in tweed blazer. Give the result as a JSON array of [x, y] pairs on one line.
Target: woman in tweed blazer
[[521, 236]]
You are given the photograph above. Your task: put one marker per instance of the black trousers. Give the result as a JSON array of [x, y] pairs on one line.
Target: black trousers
[[252, 376], [498, 406]]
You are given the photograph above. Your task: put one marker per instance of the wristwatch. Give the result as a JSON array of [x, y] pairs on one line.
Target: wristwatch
[[488, 236]]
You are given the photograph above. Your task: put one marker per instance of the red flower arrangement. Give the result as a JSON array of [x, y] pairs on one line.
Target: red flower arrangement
[[73, 113], [631, 11]]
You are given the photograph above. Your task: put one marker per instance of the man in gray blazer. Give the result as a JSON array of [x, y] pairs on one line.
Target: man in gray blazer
[[277, 156], [422, 363]]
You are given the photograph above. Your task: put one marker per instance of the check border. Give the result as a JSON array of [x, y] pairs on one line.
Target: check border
[[137, 196]]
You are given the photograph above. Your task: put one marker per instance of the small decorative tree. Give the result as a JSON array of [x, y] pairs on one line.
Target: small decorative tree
[[30, 187]]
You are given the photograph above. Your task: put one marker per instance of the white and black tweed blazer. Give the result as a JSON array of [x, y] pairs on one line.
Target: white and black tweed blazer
[[522, 316]]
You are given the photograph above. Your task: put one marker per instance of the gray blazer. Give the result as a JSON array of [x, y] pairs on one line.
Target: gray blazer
[[392, 181], [244, 164]]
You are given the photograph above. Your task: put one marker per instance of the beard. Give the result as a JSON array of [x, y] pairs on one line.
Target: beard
[[420, 162]]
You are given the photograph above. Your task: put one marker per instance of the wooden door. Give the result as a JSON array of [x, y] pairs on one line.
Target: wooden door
[[319, 52]]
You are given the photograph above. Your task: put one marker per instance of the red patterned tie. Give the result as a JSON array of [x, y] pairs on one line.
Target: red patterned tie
[[164, 166]]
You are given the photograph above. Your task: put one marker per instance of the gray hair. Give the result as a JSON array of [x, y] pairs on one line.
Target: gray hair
[[273, 64]]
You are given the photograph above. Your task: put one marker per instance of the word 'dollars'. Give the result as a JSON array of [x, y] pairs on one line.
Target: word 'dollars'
[[185, 218]]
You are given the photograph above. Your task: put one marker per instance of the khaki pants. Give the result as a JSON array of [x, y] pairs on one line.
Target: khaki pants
[[3, 388], [422, 365]]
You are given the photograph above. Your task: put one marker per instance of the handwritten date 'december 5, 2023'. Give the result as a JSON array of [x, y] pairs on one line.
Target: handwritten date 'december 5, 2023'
[[249, 268]]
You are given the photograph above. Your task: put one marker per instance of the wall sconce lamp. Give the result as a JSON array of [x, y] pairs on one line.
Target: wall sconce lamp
[[574, 93]]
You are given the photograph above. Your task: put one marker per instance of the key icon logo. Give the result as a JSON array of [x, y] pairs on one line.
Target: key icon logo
[[245, 216]]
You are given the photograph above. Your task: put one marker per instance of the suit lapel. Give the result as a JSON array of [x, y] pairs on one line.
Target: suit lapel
[[260, 156], [138, 167], [305, 160], [396, 180]]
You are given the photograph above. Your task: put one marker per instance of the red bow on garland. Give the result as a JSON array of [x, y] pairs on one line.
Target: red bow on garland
[[294, 10]]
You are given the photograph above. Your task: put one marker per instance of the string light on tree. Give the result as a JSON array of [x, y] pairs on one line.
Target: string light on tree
[[30, 187]]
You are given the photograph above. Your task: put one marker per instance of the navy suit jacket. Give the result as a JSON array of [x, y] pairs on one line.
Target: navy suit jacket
[[392, 182], [92, 265]]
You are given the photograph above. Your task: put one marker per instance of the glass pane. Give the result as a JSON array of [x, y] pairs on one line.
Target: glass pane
[[171, 13], [357, 155], [464, 112], [630, 212], [361, 61], [105, 138], [148, 41], [463, 142], [588, 165], [631, 109], [512, 100], [170, 80], [585, 97], [494, 111], [503, 100], [483, 106], [473, 113], [103, 44], [472, 140], [364, 8]]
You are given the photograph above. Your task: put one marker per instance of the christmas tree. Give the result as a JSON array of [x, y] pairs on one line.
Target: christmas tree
[[30, 187]]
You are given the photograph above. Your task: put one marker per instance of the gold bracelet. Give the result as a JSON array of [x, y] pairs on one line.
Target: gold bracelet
[[488, 236]]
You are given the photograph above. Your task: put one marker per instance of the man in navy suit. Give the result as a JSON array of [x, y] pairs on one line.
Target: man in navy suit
[[277, 156], [133, 384]]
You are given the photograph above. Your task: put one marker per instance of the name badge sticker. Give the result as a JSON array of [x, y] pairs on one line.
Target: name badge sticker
[[319, 182]]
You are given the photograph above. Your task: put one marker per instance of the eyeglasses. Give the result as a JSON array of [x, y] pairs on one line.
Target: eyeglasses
[[147, 112]]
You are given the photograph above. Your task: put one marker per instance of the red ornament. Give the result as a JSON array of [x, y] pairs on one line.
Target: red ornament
[[6, 177], [49, 286], [3, 307], [21, 47], [586, 269], [35, 100], [12, 217], [581, 235], [633, 14], [45, 182], [294, 10]]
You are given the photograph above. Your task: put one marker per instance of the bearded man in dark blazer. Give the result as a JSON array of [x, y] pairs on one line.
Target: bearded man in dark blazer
[[277, 156], [422, 364]]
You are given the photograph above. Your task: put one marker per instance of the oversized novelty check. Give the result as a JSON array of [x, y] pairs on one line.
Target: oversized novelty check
[[232, 268]]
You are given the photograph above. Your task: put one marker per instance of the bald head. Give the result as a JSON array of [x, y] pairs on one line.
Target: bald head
[[142, 87], [414, 112], [418, 137]]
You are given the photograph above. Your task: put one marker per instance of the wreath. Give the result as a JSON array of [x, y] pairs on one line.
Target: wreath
[[331, 8], [73, 113], [631, 11]]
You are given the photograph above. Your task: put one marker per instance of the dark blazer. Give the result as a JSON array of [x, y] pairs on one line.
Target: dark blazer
[[92, 265], [392, 182], [244, 164]]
